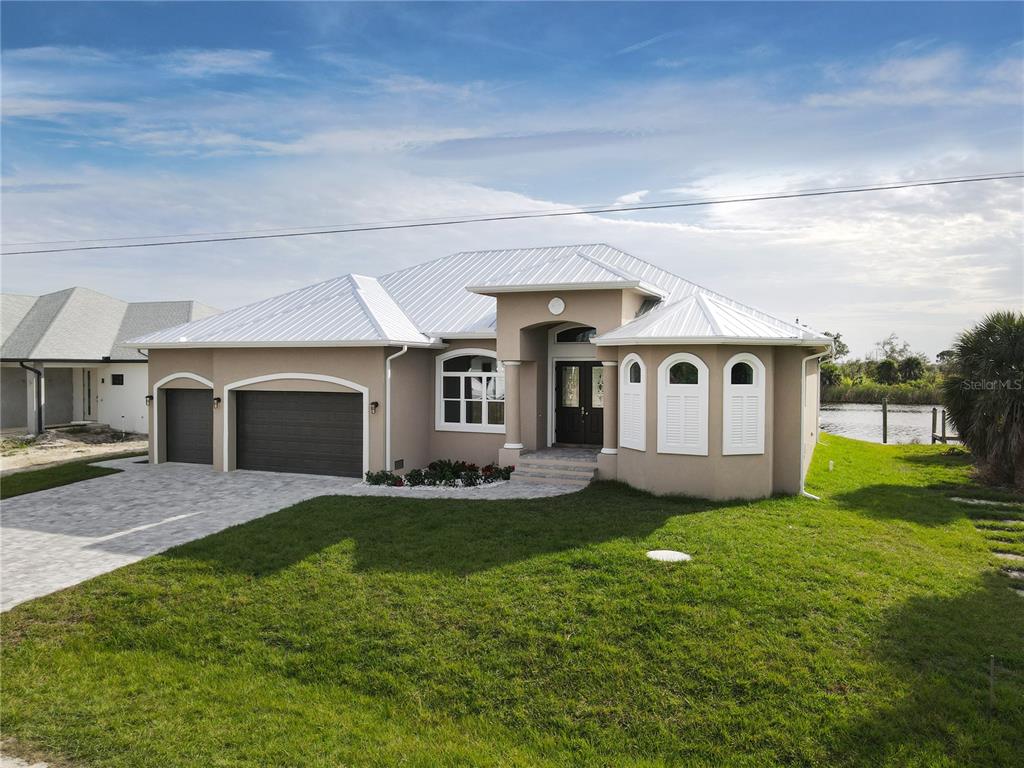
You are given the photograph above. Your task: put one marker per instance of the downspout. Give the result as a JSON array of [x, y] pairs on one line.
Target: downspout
[[387, 405], [39, 395], [803, 398]]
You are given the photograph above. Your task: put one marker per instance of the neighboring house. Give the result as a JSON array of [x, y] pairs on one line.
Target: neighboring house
[[62, 360], [483, 356]]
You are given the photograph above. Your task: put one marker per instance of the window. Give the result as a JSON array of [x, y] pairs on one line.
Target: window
[[581, 335], [117, 379], [683, 405], [743, 405], [632, 405], [471, 392]]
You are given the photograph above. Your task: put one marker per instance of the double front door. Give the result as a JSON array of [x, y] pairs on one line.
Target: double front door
[[579, 402]]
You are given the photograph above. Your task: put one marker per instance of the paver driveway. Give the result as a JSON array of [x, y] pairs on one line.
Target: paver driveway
[[53, 539]]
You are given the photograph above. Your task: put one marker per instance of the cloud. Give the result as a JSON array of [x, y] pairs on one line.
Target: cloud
[[222, 61], [647, 43], [632, 198], [941, 78], [58, 55]]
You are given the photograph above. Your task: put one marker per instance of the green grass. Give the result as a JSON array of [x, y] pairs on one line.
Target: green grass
[[33, 480], [383, 632]]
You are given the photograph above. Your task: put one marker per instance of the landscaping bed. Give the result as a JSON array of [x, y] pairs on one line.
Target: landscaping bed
[[857, 630], [85, 441]]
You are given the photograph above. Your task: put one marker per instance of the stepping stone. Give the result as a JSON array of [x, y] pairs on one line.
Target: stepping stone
[[1009, 556], [1013, 573], [668, 555]]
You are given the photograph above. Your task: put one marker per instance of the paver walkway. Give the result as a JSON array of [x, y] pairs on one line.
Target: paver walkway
[[53, 539]]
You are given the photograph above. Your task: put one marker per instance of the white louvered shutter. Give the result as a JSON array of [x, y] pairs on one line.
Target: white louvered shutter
[[683, 410], [743, 420], [632, 410]]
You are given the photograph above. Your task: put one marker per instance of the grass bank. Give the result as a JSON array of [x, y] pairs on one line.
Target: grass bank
[[31, 480], [898, 394], [855, 631]]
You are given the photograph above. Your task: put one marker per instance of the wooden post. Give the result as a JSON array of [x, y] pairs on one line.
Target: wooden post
[[943, 426], [885, 419], [935, 423]]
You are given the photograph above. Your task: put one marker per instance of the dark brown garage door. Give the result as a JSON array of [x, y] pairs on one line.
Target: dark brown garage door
[[189, 425], [316, 433]]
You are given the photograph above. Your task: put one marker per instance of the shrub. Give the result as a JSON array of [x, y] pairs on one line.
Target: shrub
[[384, 477], [470, 478], [492, 473], [415, 477], [984, 394]]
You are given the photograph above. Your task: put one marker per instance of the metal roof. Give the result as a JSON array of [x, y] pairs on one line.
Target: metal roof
[[453, 297], [573, 271], [348, 310], [82, 324]]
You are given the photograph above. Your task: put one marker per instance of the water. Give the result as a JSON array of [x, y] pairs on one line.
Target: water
[[907, 423]]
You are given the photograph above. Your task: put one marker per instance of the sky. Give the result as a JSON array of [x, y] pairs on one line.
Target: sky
[[129, 120]]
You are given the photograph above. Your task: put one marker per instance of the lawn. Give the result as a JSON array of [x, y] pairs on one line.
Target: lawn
[[380, 632], [33, 480]]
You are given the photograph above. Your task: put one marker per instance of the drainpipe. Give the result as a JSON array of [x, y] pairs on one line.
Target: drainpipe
[[387, 405], [803, 398], [39, 395]]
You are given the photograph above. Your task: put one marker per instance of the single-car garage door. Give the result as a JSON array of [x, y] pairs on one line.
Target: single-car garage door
[[189, 425], [316, 433]]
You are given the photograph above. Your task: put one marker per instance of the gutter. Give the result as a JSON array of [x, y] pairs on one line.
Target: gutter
[[803, 398], [39, 395], [387, 405]]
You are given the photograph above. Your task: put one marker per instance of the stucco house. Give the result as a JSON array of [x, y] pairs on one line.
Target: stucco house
[[496, 356], [62, 360]]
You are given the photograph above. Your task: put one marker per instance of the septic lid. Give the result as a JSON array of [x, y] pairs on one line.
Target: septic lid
[[668, 555]]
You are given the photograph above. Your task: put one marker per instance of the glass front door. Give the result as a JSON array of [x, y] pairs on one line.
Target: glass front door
[[579, 403]]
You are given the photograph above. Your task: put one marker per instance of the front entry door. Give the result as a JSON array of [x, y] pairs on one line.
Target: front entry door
[[579, 403]]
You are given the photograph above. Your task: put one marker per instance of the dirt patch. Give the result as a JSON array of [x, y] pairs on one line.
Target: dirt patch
[[56, 446]]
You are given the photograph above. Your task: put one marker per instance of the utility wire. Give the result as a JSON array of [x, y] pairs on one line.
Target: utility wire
[[518, 216], [296, 228]]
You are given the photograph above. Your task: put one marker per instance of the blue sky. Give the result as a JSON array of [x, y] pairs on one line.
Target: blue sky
[[125, 119]]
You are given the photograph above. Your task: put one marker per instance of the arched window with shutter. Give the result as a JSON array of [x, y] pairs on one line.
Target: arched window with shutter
[[743, 405], [683, 405], [632, 404]]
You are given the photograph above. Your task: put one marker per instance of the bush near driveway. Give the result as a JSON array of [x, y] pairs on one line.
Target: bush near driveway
[[855, 631]]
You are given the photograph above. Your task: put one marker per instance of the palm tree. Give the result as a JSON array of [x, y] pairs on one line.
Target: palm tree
[[984, 394]]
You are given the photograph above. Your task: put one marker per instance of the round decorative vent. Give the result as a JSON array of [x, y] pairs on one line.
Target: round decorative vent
[[556, 306]]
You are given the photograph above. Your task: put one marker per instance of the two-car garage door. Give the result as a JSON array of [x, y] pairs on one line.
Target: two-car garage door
[[316, 433], [319, 433]]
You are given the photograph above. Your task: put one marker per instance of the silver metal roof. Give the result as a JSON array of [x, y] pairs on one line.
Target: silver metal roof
[[82, 324], [349, 310], [452, 297]]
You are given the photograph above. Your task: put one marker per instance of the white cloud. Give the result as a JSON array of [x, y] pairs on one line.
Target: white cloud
[[632, 198], [223, 61]]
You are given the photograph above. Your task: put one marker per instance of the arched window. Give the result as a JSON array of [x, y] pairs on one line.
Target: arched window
[[743, 405], [632, 404], [579, 335], [470, 391], [683, 405]]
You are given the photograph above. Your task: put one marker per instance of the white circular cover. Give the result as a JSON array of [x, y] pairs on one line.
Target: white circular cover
[[556, 306], [668, 555]]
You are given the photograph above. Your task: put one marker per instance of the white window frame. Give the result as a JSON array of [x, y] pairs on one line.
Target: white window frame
[[700, 389], [729, 390], [628, 388], [439, 423]]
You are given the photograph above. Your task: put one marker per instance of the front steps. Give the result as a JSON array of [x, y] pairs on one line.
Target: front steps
[[573, 467]]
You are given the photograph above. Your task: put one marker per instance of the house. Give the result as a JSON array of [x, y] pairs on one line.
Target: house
[[62, 359], [486, 356]]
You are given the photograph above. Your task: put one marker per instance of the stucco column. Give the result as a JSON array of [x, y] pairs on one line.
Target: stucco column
[[608, 459], [509, 453]]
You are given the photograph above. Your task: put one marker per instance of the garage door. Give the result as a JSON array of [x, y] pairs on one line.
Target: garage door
[[316, 433], [189, 425]]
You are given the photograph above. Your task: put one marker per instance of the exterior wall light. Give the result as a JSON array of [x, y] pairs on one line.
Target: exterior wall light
[[373, 406], [149, 399], [216, 402]]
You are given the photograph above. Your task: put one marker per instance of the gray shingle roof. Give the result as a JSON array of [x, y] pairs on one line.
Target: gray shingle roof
[[82, 324]]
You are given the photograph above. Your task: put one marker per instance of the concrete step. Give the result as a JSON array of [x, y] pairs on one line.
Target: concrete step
[[531, 459], [543, 479], [564, 470]]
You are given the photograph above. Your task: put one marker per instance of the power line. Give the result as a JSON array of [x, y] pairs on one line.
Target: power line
[[518, 216]]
